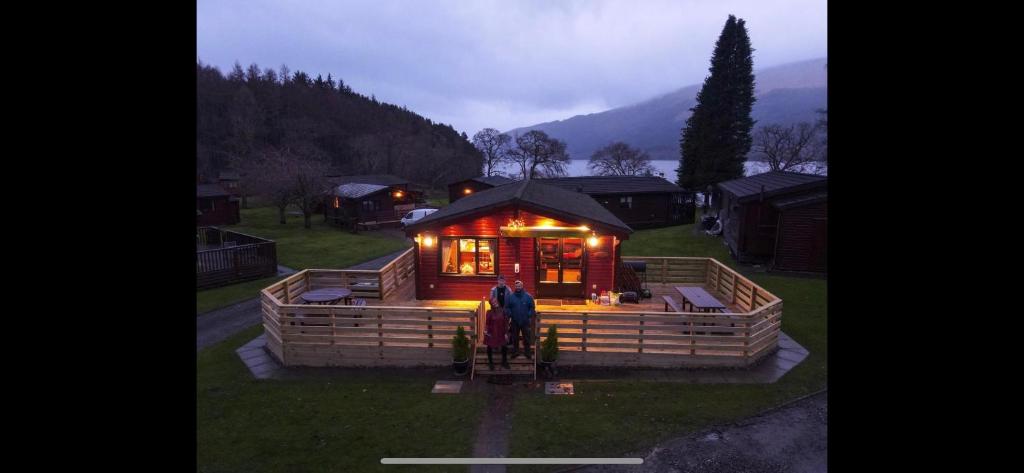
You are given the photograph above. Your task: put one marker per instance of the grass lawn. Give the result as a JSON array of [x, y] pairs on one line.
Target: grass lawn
[[325, 423], [614, 418], [322, 246], [335, 423]]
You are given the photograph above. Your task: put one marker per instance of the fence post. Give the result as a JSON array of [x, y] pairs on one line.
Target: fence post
[[430, 330], [641, 334], [583, 335]]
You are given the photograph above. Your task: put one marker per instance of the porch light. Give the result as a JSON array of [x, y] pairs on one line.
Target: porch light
[[593, 240], [467, 191], [398, 194], [428, 241]]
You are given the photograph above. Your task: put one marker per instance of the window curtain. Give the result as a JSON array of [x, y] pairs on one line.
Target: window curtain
[[448, 257]]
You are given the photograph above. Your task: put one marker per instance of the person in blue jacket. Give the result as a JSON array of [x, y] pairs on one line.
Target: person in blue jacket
[[519, 306]]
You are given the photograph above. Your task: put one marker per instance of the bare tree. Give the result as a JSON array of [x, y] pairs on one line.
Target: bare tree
[[789, 148], [494, 145], [271, 176], [619, 159], [309, 185], [539, 155]]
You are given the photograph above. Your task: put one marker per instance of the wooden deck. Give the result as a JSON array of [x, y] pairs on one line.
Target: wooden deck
[[395, 329], [406, 296]]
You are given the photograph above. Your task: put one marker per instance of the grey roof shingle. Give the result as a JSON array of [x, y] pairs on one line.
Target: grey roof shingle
[[378, 179], [494, 180], [600, 185], [774, 183], [534, 193], [356, 190], [210, 190]]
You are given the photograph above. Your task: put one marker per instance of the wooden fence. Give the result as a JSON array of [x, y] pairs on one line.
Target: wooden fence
[[309, 335], [238, 257], [659, 339], [340, 335]]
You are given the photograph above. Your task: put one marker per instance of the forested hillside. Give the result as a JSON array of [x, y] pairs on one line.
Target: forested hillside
[[253, 111]]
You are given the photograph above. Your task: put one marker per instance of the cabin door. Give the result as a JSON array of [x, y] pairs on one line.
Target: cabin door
[[560, 268]]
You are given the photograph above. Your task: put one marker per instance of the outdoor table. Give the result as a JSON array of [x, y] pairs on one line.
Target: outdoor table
[[700, 299], [330, 295]]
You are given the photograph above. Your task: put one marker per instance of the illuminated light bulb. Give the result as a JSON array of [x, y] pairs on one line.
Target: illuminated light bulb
[[428, 241], [467, 191], [593, 240]]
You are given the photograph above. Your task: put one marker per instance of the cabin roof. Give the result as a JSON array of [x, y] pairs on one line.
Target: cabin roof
[[492, 180], [774, 183], [377, 179], [534, 194], [354, 190], [211, 190], [602, 185]]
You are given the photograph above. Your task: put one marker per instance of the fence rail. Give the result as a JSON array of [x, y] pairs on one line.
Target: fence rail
[[238, 257]]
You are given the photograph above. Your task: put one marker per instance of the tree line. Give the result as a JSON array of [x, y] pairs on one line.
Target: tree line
[[250, 117], [536, 154]]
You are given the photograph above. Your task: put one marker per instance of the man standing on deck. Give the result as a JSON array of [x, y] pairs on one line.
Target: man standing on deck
[[521, 309]]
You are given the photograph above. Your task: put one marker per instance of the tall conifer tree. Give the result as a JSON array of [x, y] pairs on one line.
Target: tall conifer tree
[[716, 139]]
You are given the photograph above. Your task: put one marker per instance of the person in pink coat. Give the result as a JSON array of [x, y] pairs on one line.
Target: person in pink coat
[[497, 325]]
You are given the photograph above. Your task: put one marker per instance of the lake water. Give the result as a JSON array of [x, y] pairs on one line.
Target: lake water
[[579, 168]]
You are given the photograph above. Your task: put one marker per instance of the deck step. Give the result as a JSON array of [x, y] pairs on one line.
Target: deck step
[[483, 370]]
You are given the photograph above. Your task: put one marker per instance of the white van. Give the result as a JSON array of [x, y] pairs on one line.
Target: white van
[[416, 215]]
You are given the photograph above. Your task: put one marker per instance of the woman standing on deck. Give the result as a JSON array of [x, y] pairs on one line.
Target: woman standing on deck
[[496, 329]]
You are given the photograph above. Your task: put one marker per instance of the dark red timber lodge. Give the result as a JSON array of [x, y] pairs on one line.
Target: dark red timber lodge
[[561, 244]]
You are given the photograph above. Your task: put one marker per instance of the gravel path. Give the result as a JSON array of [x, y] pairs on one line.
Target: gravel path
[[790, 439]]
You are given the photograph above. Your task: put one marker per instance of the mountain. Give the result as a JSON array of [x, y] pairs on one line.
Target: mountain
[[786, 94]]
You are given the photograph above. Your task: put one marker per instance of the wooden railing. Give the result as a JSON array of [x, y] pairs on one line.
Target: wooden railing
[[665, 269], [340, 335], [659, 339], [364, 283], [241, 257]]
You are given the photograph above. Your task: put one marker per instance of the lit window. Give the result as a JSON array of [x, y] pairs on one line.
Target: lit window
[[626, 202], [468, 256]]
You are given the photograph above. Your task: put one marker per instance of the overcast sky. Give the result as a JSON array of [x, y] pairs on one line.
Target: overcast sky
[[503, 64]]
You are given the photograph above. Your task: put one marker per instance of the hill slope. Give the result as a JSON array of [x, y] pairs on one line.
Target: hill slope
[[785, 94]]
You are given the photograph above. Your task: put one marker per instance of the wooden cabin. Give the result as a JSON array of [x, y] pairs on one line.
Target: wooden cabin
[[561, 244], [215, 206], [379, 199], [229, 180], [639, 201], [463, 188], [777, 218]]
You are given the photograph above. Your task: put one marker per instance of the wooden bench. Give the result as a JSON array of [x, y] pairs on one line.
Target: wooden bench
[[670, 302]]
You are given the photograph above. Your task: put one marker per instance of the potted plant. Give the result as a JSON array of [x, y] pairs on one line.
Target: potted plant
[[460, 351], [549, 351]]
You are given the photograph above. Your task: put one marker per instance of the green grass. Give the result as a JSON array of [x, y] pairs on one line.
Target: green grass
[[322, 246], [210, 299], [325, 423], [617, 417]]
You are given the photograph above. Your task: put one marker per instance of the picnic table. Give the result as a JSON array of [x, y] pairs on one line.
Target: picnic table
[[328, 295], [699, 299]]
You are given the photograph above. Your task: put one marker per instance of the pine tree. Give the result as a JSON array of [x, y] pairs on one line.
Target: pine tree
[[717, 136]]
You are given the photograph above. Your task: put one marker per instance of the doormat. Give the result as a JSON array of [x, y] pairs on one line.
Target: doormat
[[574, 302], [447, 387], [559, 388], [557, 302]]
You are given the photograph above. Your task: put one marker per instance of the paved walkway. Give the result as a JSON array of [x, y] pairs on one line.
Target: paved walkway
[[792, 438], [256, 358]]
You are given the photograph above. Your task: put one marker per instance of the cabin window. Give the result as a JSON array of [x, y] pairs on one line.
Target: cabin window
[[626, 202], [337, 202], [370, 206], [469, 256]]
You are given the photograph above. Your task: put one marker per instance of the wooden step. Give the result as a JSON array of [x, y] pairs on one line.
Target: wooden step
[[483, 370]]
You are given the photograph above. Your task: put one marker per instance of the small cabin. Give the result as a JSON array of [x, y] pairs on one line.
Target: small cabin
[[215, 206], [639, 201], [379, 199], [229, 180], [777, 218], [561, 244], [463, 188]]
